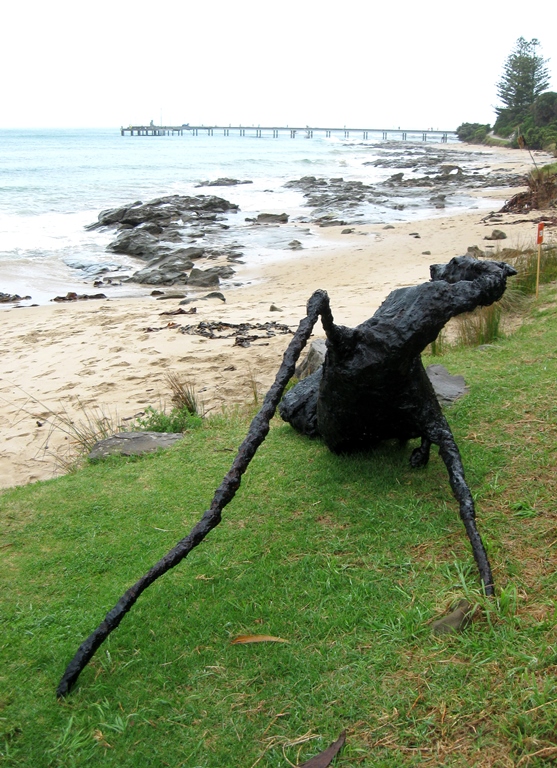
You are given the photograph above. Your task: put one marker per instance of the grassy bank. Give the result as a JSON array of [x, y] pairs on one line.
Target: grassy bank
[[349, 559]]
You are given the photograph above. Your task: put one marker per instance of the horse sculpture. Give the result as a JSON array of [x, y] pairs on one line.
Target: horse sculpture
[[371, 387]]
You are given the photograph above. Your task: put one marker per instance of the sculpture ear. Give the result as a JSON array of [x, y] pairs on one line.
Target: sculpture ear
[[507, 269], [436, 271]]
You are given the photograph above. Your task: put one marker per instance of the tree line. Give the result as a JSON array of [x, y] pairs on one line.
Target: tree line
[[528, 115]]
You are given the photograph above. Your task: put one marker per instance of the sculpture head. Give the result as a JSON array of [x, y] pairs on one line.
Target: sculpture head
[[469, 268]]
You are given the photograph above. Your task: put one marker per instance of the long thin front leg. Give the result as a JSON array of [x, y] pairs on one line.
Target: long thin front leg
[[259, 427], [450, 454]]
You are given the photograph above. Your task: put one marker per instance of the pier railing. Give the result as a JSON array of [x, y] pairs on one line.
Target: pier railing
[[308, 132]]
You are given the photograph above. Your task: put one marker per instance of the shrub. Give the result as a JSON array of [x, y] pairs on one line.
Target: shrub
[[178, 420], [473, 133]]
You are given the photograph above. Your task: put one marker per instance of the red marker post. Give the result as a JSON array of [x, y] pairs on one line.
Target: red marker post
[[539, 241]]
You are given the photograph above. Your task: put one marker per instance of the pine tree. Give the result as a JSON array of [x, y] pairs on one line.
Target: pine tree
[[524, 78]]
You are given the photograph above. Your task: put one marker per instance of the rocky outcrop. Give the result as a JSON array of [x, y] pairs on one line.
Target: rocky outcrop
[[425, 176], [12, 298], [270, 218], [163, 211], [224, 182], [154, 232], [72, 296]]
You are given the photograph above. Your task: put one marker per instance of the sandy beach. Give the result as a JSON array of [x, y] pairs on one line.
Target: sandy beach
[[113, 355]]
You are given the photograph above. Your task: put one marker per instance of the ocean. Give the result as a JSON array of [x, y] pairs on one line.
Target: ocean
[[55, 182]]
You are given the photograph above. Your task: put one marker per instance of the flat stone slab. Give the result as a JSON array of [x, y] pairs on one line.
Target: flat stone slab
[[448, 388], [133, 444]]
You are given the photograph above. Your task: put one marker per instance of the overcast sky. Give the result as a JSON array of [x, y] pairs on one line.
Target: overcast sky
[[386, 63]]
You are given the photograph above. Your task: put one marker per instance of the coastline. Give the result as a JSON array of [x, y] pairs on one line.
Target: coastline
[[112, 355]]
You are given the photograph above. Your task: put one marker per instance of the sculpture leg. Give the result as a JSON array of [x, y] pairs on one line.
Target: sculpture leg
[[259, 427], [420, 455], [448, 450]]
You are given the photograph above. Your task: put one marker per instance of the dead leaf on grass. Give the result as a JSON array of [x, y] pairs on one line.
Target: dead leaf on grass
[[243, 639], [324, 759], [98, 736]]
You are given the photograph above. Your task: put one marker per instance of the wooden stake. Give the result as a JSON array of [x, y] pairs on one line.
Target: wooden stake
[[539, 242], [538, 270]]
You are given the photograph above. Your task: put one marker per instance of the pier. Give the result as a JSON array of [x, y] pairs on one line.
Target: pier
[[307, 132]]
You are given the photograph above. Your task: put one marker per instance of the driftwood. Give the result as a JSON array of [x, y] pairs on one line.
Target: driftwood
[[372, 387]]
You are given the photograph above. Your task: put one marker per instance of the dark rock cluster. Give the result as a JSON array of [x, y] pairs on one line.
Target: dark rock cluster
[[160, 232], [423, 177], [223, 182], [12, 298]]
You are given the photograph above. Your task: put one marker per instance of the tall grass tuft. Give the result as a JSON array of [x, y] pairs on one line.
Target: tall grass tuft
[[186, 413], [94, 423], [526, 264], [440, 345], [184, 395], [482, 326]]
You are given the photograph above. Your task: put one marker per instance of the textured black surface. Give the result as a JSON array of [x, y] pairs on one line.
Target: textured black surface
[[373, 386]]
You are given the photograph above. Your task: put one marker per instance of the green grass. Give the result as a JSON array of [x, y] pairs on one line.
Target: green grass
[[347, 558]]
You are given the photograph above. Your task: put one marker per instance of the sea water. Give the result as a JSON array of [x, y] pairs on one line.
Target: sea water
[[55, 182]]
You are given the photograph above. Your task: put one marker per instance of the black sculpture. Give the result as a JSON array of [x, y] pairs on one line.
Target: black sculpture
[[372, 387]]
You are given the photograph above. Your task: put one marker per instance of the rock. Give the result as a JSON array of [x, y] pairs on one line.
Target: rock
[[474, 251], [426, 253], [274, 308], [295, 245], [203, 278], [213, 295], [94, 269], [457, 620], [438, 200], [166, 270], [12, 298], [159, 277], [192, 252], [271, 218], [225, 271], [451, 170], [72, 296], [313, 360], [497, 234], [389, 226], [347, 231], [326, 222], [146, 231], [138, 243], [225, 182], [133, 444], [300, 410], [163, 210], [113, 216], [448, 388], [169, 268]]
